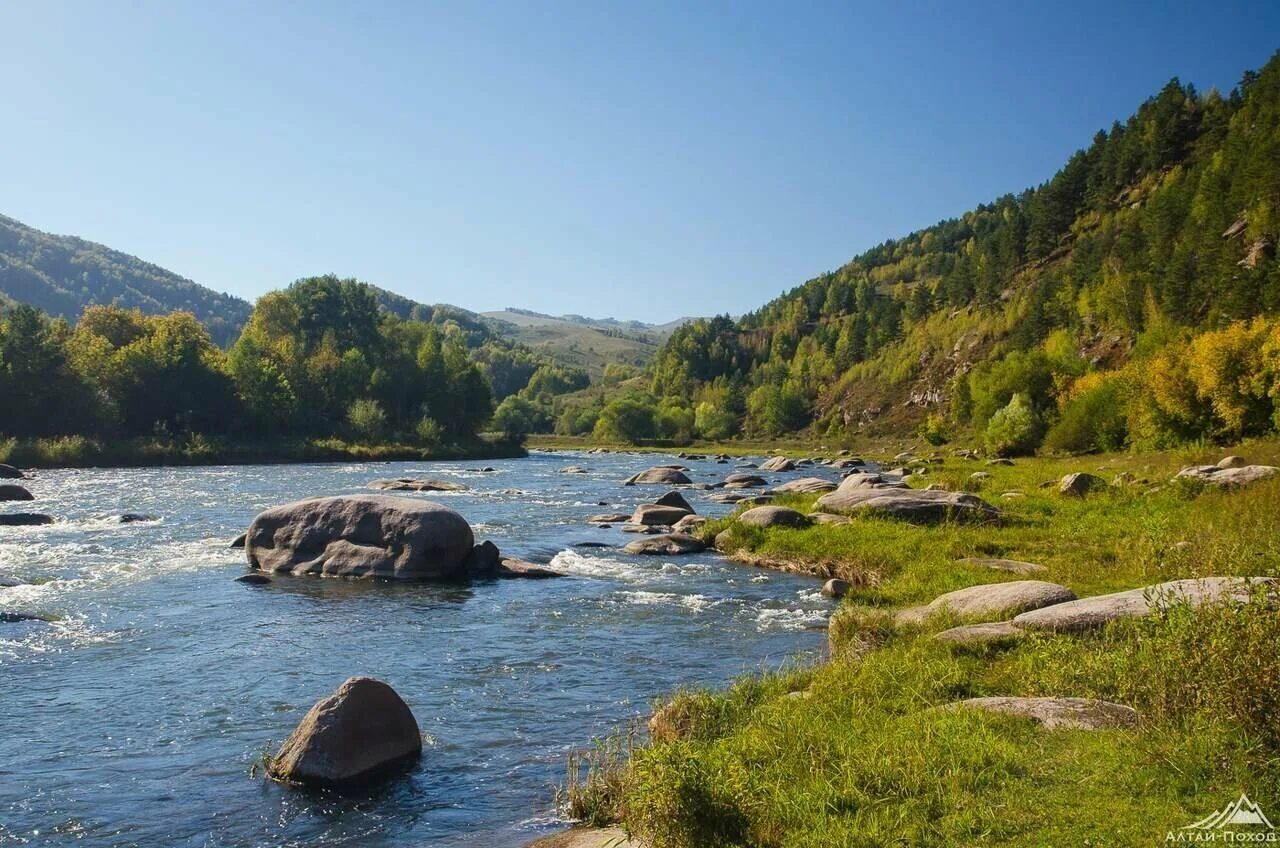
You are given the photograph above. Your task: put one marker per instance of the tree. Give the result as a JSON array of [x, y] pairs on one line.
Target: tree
[[367, 419]]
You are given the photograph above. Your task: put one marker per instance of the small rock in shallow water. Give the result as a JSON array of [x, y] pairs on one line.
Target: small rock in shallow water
[[14, 492], [254, 579], [362, 731], [11, 473], [669, 544], [16, 617], [512, 568], [238, 541], [835, 588], [24, 519]]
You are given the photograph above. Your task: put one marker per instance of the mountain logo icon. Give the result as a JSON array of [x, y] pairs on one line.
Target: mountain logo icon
[[1239, 813]]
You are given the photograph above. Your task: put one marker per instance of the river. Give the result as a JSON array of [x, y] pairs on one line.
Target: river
[[135, 715]]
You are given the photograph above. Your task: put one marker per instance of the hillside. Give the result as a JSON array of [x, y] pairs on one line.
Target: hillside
[[586, 343], [63, 274], [1109, 299]]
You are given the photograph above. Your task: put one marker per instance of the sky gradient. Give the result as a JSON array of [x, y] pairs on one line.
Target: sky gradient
[[642, 160]]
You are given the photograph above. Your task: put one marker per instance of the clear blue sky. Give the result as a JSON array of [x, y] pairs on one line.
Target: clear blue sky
[[641, 160]]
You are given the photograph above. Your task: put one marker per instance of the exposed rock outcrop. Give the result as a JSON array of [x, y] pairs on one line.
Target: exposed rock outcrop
[[1091, 613], [774, 516], [1230, 476], [1002, 599], [1056, 713], [805, 486], [885, 495]]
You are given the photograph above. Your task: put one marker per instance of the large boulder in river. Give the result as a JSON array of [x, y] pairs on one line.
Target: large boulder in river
[[657, 514], [662, 475], [667, 544], [778, 463], [888, 496], [14, 492], [10, 473], [361, 536], [1091, 613], [774, 516], [362, 731]]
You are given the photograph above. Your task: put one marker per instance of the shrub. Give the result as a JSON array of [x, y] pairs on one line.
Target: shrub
[[1092, 420], [627, 419], [934, 430], [367, 419], [429, 431], [715, 422], [1015, 429], [517, 417]]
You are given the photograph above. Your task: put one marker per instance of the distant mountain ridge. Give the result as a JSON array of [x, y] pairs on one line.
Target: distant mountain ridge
[[516, 315], [64, 274], [588, 343]]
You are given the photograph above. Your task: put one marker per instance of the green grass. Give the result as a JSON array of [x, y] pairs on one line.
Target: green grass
[[864, 756]]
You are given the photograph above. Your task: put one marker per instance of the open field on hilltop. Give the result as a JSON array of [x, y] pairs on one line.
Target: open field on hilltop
[[857, 751]]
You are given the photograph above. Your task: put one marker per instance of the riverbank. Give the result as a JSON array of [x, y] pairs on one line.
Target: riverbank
[[793, 447], [867, 748], [83, 452]]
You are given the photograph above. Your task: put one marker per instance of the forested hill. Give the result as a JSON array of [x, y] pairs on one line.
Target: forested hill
[[63, 275], [1116, 286]]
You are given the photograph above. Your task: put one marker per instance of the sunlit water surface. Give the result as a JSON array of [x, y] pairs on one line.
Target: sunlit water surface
[[135, 716]]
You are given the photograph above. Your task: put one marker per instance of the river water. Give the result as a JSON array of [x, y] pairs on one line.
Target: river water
[[134, 716]]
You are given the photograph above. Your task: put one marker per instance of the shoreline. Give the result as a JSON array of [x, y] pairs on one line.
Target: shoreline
[[79, 452]]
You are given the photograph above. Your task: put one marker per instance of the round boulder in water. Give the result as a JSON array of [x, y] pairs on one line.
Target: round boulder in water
[[362, 731], [361, 536], [14, 492]]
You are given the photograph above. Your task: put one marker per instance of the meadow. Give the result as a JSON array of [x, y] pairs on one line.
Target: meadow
[[860, 749]]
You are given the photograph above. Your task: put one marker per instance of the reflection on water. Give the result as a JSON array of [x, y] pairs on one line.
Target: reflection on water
[[135, 714]]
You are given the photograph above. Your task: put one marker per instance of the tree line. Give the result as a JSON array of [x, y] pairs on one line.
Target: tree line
[[1158, 234], [322, 358]]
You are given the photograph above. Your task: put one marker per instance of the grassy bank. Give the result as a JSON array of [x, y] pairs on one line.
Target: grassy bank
[[856, 751], [796, 446], [80, 451]]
